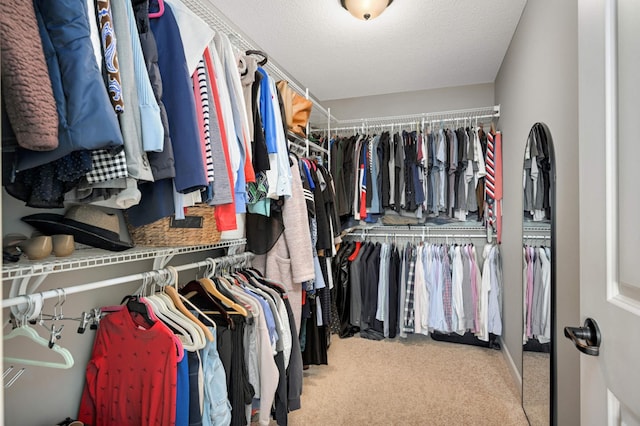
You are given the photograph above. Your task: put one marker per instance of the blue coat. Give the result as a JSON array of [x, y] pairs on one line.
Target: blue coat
[[86, 118], [178, 98]]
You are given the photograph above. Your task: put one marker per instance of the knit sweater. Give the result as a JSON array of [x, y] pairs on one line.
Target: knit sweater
[[131, 378]]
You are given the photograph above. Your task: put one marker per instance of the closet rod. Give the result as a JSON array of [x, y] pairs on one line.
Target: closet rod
[[415, 235], [370, 124], [297, 140], [55, 293], [536, 237], [485, 112]]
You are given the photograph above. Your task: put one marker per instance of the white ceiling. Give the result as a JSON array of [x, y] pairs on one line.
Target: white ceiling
[[413, 45]]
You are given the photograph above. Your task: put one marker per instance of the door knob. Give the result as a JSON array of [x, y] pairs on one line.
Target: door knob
[[590, 333]]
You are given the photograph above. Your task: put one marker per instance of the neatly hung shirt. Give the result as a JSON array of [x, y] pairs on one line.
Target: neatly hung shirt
[[545, 254], [382, 311], [441, 157], [440, 267], [476, 280], [529, 294], [409, 311], [453, 164], [447, 289], [485, 288], [402, 284], [538, 294], [374, 166], [421, 292], [495, 295], [467, 295], [363, 183], [457, 301], [355, 292]]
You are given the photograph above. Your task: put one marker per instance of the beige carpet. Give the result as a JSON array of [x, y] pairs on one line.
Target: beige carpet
[[409, 382], [536, 376]]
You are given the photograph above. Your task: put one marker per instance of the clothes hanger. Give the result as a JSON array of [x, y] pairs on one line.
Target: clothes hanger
[[208, 285], [23, 330], [135, 305], [206, 288], [30, 333], [264, 56], [193, 337], [178, 307], [160, 12], [172, 292]]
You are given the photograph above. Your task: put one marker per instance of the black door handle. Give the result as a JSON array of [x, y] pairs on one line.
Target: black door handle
[[590, 333]]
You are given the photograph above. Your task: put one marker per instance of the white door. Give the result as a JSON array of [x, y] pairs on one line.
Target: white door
[[609, 101]]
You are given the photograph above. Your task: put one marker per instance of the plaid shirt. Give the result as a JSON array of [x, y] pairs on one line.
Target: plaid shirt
[[409, 313]]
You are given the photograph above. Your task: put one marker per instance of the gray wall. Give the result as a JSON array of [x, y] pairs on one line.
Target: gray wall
[[450, 98], [538, 82]]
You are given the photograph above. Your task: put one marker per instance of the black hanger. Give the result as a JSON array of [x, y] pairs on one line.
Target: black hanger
[[204, 300], [136, 306], [262, 61]]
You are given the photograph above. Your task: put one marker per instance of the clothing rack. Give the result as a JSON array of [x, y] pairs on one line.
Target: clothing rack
[[363, 124], [422, 232], [305, 144], [37, 299]]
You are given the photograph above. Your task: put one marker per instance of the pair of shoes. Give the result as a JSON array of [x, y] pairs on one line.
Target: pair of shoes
[[41, 246]]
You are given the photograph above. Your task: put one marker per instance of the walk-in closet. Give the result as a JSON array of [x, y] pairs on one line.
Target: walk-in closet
[[355, 212]]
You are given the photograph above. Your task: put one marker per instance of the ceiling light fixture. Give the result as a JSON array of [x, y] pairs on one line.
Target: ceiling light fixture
[[365, 9]]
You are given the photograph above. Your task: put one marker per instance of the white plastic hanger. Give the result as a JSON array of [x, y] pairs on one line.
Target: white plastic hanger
[[24, 330], [168, 312]]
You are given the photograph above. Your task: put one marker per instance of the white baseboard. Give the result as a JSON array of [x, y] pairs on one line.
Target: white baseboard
[[515, 373]]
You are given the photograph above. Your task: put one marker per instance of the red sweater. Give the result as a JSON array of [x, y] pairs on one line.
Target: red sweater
[[131, 376]]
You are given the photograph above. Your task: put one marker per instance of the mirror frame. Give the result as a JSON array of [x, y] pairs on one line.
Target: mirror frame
[[553, 408]]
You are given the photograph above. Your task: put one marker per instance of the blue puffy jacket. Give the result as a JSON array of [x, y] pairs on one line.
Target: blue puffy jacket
[[87, 120]]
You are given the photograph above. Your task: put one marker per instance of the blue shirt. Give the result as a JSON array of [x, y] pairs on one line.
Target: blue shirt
[[182, 392], [267, 113]]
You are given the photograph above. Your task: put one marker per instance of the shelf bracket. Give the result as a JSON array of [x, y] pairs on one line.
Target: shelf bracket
[[162, 260]]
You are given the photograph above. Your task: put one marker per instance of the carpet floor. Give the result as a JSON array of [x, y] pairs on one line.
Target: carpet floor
[[416, 381]]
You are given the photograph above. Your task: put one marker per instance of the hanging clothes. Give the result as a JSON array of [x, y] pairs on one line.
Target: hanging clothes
[[420, 289]]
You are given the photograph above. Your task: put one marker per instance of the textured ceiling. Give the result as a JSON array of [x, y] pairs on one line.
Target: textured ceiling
[[413, 45]]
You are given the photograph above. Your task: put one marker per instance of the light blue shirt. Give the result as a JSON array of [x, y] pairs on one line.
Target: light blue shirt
[[152, 129], [217, 409]]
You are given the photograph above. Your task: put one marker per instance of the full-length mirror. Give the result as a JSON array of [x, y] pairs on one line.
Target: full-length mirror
[[538, 184]]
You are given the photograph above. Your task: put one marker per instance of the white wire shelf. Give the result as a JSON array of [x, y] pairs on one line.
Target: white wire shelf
[[90, 258]]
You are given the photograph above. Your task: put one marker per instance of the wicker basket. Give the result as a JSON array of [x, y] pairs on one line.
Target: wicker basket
[[198, 228]]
